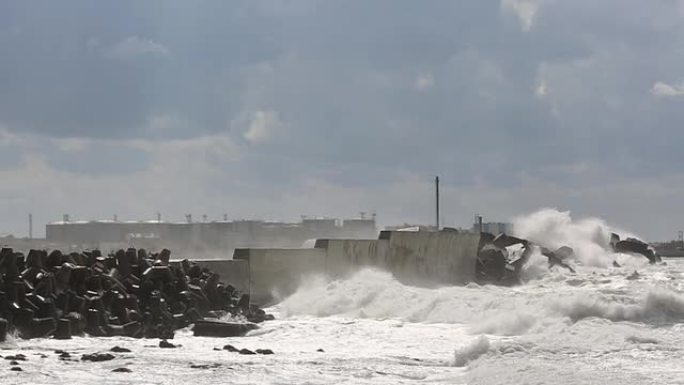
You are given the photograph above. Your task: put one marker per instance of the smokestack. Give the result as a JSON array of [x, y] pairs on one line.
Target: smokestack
[[437, 202], [30, 226]]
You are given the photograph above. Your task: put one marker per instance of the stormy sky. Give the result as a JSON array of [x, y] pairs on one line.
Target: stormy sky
[[276, 108]]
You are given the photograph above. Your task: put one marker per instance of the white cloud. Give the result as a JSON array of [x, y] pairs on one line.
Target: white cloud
[[541, 89], [72, 144], [136, 46], [208, 151], [424, 81], [160, 124], [525, 10], [667, 90], [261, 126], [7, 137]]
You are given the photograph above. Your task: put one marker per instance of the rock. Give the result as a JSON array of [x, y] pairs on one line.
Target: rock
[[614, 239], [4, 326], [231, 348], [222, 329], [78, 321], [122, 370], [166, 344], [635, 246], [503, 240], [118, 349], [246, 351], [616, 264], [16, 357], [264, 351], [65, 355], [128, 293], [38, 327], [14, 363], [634, 276], [320, 350], [16, 369], [556, 258], [97, 357], [63, 331], [565, 253], [491, 264]]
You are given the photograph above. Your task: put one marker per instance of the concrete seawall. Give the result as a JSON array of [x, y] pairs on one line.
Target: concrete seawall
[[426, 258], [345, 256], [276, 273], [416, 258]]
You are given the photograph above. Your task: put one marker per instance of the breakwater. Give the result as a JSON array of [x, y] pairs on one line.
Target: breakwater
[[416, 258], [127, 293]]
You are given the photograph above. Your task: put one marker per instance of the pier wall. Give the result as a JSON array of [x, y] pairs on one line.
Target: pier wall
[[345, 256], [429, 258], [416, 258], [276, 273]]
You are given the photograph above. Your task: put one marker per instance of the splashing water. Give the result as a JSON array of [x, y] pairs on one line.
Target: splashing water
[[595, 326], [601, 315]]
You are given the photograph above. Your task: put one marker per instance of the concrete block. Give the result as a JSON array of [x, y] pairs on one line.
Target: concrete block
[[276, 273]]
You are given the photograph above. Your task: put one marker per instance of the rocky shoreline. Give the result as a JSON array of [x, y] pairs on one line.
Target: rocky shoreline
[[129, 293]]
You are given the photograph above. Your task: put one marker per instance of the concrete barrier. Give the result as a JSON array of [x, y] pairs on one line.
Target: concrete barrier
[[416, 258], [233, 272], [425, 258], [345, 256], [276, 273]]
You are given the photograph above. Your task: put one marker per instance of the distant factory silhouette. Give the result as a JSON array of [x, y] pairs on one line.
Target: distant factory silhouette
[[206, 237]]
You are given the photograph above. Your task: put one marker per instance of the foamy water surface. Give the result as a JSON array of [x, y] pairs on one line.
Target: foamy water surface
[[594, 327]]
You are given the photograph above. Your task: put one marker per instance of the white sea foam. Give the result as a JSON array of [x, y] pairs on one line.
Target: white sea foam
[[657, 306], [476, 348], [589, 238]]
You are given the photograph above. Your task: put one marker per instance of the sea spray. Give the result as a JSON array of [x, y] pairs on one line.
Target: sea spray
[[376, 294], [472, 351], [589, 238], [658, 306]]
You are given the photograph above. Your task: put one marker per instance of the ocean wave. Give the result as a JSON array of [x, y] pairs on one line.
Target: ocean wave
[[659, 305], [375, 294], [472, 351]]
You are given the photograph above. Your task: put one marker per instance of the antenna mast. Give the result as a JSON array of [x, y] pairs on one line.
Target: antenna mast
[[437, 202]]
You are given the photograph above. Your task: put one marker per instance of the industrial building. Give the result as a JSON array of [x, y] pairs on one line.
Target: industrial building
[[479, 226], [204, 238]]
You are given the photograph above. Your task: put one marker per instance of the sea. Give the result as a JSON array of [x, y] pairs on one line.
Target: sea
[[616, 320]]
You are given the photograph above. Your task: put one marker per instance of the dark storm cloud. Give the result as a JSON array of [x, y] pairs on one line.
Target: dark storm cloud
[[358, 96]]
